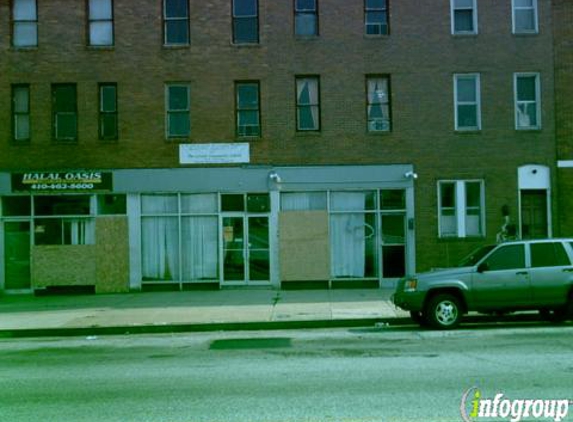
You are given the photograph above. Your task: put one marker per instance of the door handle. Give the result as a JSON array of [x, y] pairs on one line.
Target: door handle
[[568, 270], [521, 273]]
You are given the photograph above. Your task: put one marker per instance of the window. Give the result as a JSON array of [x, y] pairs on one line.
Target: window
[[247, 109], [108, 111], [21, 112], [461, 208], [548, 255], [100, 14], [378, 103], [527, 101], [175, 22], [178, 110], [376, 17], [245, 21], [64, 112], [510, 257], [63, 220], [464, 16], [467, 101], [25, 23], [524, 16], [307, 104], [305, 17]]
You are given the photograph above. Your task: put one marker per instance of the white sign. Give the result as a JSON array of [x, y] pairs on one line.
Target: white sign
[[214, 153]]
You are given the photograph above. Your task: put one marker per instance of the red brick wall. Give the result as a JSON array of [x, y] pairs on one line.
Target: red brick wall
[[420, 54]]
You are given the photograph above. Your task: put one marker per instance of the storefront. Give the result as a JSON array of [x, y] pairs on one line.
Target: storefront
[[122, 230]]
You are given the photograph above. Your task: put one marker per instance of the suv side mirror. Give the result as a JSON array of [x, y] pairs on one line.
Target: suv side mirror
[[483, 267]]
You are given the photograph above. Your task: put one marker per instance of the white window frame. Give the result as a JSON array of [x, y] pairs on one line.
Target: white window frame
[[31, 21], [474, 9], [477, 103], [168, 111], [461, 208], [515, 8], [537, 101], [107, 21]]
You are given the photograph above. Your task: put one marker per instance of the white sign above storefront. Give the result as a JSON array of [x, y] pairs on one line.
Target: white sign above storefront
[[214, 153]]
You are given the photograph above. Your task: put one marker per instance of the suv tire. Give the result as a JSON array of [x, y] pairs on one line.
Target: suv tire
[[443, 311]]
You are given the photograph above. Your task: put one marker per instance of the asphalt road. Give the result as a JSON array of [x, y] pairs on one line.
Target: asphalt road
[[374, 374]]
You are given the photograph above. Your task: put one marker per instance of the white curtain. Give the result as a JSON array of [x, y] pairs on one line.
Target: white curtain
[[348, 235], [199, 247], [160, 239], [303, 201], [79, 232], [307, 94]]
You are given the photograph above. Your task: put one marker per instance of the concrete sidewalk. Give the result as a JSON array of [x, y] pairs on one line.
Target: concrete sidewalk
[[193, 311]]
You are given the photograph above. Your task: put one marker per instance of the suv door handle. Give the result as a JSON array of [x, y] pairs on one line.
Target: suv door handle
[[568, 270], [521, 273]]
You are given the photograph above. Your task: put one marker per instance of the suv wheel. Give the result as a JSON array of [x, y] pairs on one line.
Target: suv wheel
[[443, 311]]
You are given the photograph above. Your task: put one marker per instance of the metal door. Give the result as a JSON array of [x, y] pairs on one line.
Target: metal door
[[17, 255]]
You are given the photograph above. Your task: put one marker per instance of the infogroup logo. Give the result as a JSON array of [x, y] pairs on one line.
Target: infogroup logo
[[475, 407]]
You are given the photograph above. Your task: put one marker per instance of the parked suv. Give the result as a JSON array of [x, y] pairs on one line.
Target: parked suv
[[512, 276]]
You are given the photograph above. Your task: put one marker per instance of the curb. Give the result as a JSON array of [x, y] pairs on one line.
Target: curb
[[190, 328]]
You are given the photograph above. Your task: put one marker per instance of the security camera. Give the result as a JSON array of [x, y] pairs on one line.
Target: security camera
[[274, 176], [410, 175]]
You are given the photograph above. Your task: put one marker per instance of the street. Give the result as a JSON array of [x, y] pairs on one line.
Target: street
[[372, 374]]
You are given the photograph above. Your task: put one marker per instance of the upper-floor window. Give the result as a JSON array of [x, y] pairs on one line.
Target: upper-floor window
[[100, 15], [306, 17], [245, 21], [524, 16], [376, 17], [461, 208], [247, 109], [175, 22], [464, 16], [178, 110], [64, 112], [21, 112], [527, 101], [307, 103], [467, 101], [24, 23], [378, 103], [108, 111]]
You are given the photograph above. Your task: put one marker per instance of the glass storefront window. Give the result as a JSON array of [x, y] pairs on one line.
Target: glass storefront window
[[62, 205], [16, 206]]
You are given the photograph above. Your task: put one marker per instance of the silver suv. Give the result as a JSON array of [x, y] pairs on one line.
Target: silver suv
[[512, 276]]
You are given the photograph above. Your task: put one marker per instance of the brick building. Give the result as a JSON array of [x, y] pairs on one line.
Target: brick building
[[240, 142]]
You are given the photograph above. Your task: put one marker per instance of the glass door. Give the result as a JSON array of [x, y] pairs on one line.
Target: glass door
[[246, 254], [17, 255], [258, 248]]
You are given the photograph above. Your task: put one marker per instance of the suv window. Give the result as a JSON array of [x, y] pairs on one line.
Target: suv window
[[506, 258], [550, 254]]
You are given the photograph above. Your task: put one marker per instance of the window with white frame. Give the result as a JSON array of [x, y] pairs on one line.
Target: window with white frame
[[464, 16], [307, 103], [378, 103], [524, 17], [24, 23], [177, 105], [467, 101], [527, 101], [245, 21], [64, 112], [175, 22], [376, 17], [306, 18], [461, 208], [247, 109], [100, 15], [21, 112]]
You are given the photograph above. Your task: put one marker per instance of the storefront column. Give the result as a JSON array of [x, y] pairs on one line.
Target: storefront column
[[134, 230]]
